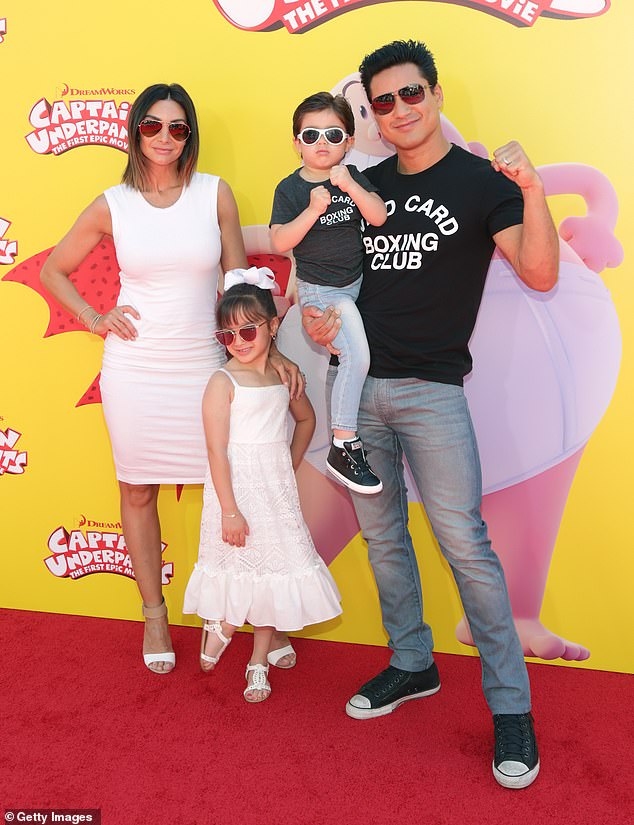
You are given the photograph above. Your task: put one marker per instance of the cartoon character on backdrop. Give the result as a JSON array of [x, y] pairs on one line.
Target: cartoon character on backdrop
[[545, 368]]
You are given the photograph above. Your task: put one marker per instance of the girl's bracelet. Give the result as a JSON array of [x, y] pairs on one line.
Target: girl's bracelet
[[94, 322], [230, 515], [84, 310]]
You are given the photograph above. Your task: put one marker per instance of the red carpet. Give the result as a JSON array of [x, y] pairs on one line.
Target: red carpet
[[85, 725]]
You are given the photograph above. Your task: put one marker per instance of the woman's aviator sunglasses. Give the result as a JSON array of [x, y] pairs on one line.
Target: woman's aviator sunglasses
[[149, 127], [248, 333], [334, 135], [412, 94]]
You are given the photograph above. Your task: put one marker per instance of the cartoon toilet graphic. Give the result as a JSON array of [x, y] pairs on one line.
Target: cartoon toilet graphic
[[545, 369]]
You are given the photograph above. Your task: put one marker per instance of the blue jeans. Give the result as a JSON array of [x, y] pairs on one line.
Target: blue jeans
[[354, 358], [429, 424]]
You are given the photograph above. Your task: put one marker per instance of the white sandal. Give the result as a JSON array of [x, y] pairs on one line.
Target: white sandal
[[274, 656], [158, 612], [208, 663], [259, 681]]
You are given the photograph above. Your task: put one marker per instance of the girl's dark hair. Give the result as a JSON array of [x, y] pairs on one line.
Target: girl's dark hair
[[247, 301], [135, 174], [395, 54], [321, 102]]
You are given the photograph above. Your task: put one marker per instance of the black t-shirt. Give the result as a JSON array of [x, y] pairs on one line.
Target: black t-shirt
[[425, 268], [330, 253]]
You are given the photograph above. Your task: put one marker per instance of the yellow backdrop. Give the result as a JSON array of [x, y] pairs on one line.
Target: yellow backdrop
[[562, 86]]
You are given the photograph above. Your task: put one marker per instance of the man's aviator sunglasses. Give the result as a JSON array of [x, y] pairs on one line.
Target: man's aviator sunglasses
[[334, 135], [248, 333], [412, 94], [149, 127]]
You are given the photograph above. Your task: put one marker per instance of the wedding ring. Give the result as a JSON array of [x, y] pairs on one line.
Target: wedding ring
[[506, 161]]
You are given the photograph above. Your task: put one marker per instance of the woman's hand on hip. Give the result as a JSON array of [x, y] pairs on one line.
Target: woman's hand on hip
[[115, 321]]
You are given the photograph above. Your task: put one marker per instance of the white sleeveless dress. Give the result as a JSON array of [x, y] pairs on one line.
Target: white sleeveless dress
[[152, 387], [278, 579]]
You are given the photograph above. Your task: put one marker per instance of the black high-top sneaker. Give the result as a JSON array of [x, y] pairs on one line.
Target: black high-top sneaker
[[516, 761], [390, 688], [350, 466]]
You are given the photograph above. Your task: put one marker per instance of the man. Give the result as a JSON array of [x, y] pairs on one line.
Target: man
[[424, 273]]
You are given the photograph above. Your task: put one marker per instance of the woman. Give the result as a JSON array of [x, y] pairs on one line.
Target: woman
[[172, 227]]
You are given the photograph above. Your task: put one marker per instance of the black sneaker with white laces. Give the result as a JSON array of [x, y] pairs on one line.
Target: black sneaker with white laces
[[350, 466], [391, 688], [516, 761]]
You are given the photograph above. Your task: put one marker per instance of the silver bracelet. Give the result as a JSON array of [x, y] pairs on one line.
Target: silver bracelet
[[94, 322], [84, 310], [230, 515]]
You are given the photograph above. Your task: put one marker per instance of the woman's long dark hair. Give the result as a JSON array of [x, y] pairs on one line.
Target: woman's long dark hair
[[135, 173]]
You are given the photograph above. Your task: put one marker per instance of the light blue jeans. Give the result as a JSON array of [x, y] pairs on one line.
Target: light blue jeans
[[429, 423], [354, 358]]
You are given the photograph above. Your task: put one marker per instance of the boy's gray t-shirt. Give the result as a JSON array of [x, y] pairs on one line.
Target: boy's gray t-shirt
[[331, 253]]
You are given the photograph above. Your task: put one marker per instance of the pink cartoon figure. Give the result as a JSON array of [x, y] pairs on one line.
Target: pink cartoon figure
[[535, 401]]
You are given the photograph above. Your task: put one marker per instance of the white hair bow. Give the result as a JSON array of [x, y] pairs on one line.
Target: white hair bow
[[260, 276]]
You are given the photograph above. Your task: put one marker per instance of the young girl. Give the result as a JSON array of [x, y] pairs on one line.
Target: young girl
[[256, 562], [317, 212]]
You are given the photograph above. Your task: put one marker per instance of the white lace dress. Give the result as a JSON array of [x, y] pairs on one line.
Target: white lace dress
[[278, 579]]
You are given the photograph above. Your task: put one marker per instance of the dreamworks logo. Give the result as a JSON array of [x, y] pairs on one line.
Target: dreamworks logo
[[65, 90], [82, 521]]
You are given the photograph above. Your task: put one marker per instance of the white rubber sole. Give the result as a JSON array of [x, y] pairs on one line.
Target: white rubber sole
[[373, 713], [358, 488], [516, 782]]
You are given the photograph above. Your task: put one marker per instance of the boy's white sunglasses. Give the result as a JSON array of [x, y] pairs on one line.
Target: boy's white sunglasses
[[334, 135]]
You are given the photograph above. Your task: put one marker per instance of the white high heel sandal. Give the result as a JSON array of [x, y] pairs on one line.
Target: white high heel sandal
[[275, 656], [158, 612]]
